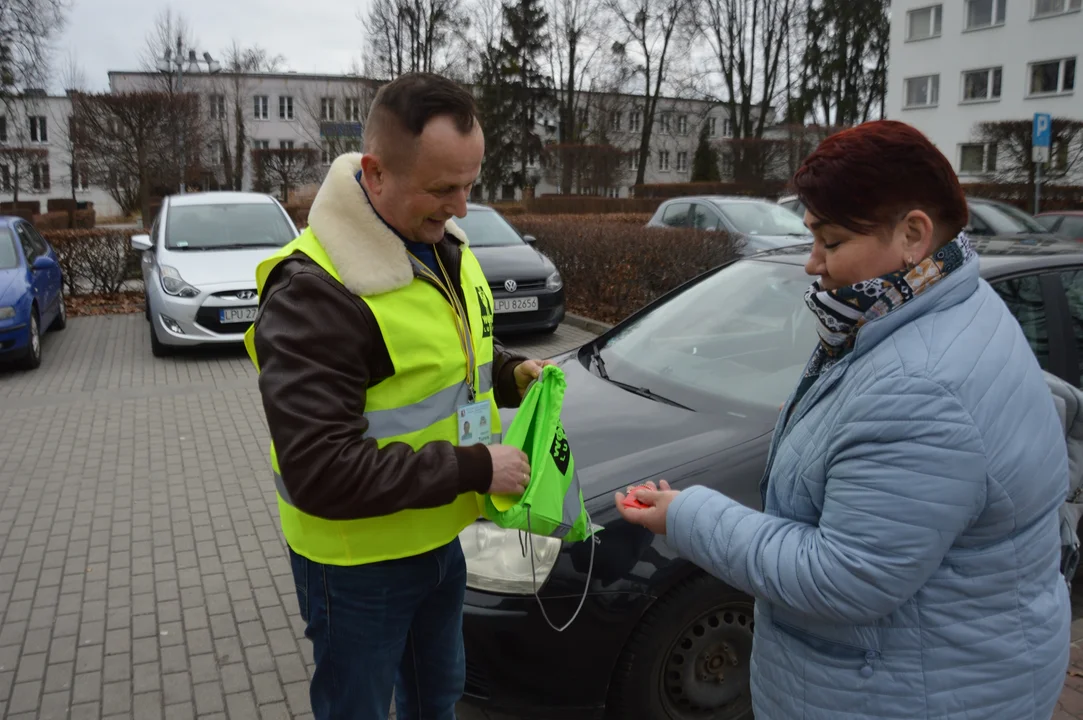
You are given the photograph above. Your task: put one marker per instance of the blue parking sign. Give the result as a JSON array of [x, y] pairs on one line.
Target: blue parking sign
[[1043, 129]]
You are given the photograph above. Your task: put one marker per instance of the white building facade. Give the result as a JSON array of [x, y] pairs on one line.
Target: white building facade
[[957, 63], [327, 113]]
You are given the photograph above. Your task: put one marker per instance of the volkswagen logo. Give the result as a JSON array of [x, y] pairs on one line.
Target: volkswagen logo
[[510, 285], [246, 295]]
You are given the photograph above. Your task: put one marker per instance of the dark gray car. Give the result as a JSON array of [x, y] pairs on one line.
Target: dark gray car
[[757, 224]]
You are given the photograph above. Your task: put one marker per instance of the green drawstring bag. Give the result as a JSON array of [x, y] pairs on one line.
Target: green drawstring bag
[[552, 505]]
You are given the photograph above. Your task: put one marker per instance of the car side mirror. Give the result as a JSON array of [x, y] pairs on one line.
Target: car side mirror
[[529, 239], [43, 262], [141, 242]]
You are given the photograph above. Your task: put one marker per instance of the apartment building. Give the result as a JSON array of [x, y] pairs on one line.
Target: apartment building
[[959, 63], [327, 112]]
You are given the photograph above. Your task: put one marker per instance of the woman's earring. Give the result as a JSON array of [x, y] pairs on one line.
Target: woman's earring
[[910, 263]]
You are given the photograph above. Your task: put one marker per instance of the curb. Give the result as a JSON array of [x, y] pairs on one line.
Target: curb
[[585, 323]]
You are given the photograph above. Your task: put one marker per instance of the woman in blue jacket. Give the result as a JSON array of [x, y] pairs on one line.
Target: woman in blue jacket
[[907, 561]]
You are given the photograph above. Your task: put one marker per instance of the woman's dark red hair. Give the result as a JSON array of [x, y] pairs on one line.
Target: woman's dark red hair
[[868, 177]]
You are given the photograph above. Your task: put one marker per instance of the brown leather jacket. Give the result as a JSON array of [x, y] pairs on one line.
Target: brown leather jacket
[[319, 348]]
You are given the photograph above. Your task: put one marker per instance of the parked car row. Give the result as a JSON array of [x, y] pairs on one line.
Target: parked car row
[[200, 256]]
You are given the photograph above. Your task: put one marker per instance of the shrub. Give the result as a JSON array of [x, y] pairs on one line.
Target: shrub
[[1021, 195], [612, 269], [95, 261], [590, 205], [83, 219], [298, 212], [52, 220]]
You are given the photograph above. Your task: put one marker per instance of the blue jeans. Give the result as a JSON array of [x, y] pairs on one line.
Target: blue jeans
[[393, 626]]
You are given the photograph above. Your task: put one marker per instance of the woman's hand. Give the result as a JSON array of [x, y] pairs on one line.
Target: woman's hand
[[654, 517]]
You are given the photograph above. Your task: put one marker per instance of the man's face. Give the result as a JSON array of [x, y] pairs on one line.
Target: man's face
[[432, 185]]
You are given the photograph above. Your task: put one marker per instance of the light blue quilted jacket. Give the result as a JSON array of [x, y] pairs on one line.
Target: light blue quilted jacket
[[907, 562]]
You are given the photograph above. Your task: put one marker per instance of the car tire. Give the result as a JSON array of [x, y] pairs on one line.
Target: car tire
[[157, 347], [32, 359], [61, 320], [688, 659]]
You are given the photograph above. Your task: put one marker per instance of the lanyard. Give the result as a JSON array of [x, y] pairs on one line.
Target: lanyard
[[462, 317]]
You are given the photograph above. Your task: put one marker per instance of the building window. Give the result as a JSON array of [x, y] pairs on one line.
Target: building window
[[285, 107], [325, 153], [682, 124], [82, 178], [663, 160], [682, 162], [1052, 76], [5, 178], [261, 144], [727, 166], [665, 123], [259, 107], [922, 91], [39, 176], [727, 128], [633, 160], [614, 120], [3, 129], [977, 158], [924, 23], [635, 121], [215, 154], [583, 116], [712, 126], [981, 85], [285, 144], [984, 13], [327, 109], [39, 130], [1050, 8], [353, 109], [217, 105]]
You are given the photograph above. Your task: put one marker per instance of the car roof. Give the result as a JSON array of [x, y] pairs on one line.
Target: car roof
[[9, 220], [717, 198], [1068, 213], [220, 198], [999, 256]]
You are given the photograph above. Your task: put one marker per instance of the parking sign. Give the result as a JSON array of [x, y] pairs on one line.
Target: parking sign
[[1042, 137]]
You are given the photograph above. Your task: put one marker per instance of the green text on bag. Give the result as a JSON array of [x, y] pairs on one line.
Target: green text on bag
[[553, 502]]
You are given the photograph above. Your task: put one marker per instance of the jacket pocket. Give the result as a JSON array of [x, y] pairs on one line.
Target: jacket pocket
[[833, 648]]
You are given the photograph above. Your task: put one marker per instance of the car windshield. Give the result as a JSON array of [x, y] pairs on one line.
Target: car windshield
[[762, 218], [1006, 220], [226, 226], [741, 336], [9, 256], [485, 227]]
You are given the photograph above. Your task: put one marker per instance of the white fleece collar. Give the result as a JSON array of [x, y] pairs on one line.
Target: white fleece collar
[[367, 254]]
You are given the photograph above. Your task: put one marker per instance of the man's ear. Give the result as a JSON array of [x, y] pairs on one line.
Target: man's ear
[[372, 173]]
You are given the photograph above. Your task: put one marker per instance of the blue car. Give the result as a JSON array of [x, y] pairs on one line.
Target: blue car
[[31, 292]]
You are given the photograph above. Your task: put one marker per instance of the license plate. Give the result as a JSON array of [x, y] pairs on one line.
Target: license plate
[[510, 305], [227, 316]]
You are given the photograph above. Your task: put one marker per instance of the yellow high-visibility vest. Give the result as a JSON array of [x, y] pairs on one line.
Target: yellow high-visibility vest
[[417, 405]]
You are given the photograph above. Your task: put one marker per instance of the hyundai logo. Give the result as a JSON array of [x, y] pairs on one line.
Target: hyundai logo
[[246, 295], [510, 285]]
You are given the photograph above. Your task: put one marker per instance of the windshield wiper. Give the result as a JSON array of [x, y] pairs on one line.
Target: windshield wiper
[[596, 356]]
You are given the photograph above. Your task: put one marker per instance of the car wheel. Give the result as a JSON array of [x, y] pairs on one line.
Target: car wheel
[[32, 359], [61, 320], [157, 347], [689, 657]]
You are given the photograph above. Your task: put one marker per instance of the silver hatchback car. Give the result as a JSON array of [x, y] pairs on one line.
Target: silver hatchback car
[[199, 265]]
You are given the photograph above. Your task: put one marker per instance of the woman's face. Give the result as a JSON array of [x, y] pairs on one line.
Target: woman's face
[[843, 257]]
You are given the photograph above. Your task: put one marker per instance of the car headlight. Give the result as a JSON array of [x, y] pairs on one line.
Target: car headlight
[[497, 560], [6, 313], [554, 282], [174, 284]]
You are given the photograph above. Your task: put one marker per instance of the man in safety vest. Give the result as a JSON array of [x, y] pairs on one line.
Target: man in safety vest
[[374, 346]]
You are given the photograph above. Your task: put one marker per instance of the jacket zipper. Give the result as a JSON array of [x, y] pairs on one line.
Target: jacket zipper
[[833, 647]]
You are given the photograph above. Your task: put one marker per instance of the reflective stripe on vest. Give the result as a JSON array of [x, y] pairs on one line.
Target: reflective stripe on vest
[[413, 418]]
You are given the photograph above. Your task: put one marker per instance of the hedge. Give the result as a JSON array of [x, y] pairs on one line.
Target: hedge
[[1021, 195], [589, 205], [96, 260], [611, 269]]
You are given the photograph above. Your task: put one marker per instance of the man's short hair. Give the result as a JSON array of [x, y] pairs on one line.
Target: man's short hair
[[403, 107]]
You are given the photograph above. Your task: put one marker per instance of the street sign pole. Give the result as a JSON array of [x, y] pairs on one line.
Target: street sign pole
[[1040, 142]]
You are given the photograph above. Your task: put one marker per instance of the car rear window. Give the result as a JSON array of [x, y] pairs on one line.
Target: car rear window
[[220, 225], [9, 256]]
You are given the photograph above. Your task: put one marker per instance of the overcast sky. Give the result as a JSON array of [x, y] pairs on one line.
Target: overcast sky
[[313, 35]]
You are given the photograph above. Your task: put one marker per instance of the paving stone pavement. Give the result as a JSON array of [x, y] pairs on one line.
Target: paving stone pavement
[[142, 571]]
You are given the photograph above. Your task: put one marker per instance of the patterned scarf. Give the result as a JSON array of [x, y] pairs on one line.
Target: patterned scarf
[[842, 312]]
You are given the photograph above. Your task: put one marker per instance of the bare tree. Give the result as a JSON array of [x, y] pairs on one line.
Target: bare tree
[[652, 28], [126, 140], [73, 79], [26, 29], [162, 39], [333, 118], [1002, 151], [18, 160], [284, 168], [410, 35], [748, 42]]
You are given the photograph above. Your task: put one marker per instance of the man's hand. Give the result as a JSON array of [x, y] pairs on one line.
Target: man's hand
[[528, 371], [654, 517], [511, 470]]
